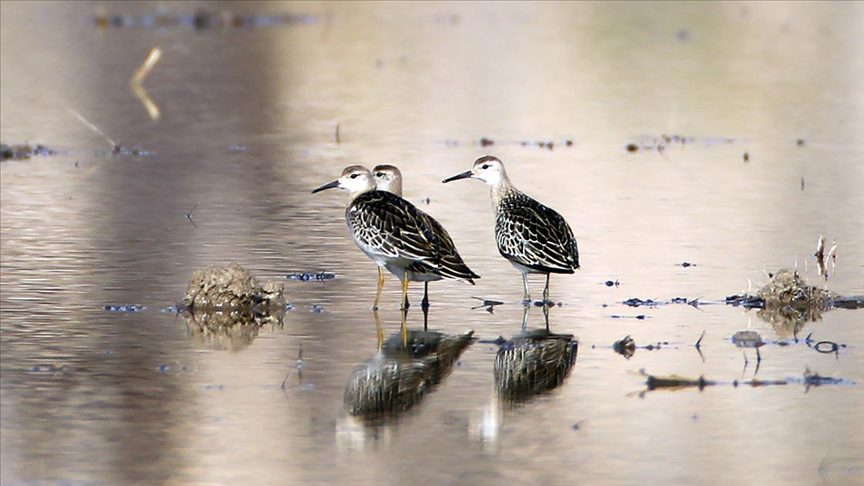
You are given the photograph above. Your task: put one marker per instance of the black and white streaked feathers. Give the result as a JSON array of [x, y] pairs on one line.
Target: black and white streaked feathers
[[533, 235], [450, 263], [394, 228]]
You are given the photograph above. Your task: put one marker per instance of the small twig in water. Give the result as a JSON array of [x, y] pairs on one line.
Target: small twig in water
[[699, 346], [138, 78], [93, 128], [189, 215]]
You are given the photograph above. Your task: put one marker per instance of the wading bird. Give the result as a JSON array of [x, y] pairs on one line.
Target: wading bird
[[450, 264], [388, 229], [532, 237]]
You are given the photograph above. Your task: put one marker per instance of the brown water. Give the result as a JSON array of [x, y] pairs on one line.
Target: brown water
[[91, 395]]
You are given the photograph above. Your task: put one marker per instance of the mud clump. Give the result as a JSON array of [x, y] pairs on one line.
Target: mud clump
[[788, 288], [225, 307], [231, 288]]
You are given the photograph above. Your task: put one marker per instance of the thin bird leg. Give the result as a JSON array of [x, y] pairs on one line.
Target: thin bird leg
[[378, 331], [426, 318], [425, 304], [404, 329], [525, 318], [546, 291], [405, 292], [546, 316], [380, 286], [526, 296]]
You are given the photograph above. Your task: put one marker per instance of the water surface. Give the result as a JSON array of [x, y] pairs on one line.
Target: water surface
[[134, 397]]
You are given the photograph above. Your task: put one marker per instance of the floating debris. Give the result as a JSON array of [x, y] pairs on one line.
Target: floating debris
[[50, 368], [200, 20], [236, 147], [612, 283], [745, 300], [636, 302], [653, 142], [125, 151], [687, 264], [311, 277], [125, 308], [747, 339], [317, 309], [746, 156], [24, 151], [811, 379], [487, 303], [625, 346], [675, 382], [486, 142], [800, 142], [849, 302], [640, 317]]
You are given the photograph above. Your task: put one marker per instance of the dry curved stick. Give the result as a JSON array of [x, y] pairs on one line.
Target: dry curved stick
[[138, 77]]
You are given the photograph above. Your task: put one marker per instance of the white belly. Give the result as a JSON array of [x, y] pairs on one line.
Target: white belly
[[523, 268]]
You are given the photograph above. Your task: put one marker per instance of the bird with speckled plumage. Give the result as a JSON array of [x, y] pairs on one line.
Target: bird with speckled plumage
[[390, 230], [389, 178], [534, 238]]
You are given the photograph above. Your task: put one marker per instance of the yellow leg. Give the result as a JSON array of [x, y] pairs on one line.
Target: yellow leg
[[380, 286], [378, 331], [404, 329], [404, 311], [404, 292]]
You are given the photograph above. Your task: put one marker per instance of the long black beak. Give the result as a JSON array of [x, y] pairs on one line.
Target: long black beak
[[463, 175], [329, 185]]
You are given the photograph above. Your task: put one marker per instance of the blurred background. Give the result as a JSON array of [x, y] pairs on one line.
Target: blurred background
[[723, 135]]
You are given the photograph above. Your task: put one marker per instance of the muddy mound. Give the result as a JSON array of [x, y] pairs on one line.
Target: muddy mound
[[231, 288]]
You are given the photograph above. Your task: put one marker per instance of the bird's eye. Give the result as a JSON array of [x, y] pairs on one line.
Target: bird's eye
[[485, 166], [354, 176], [379, 174]]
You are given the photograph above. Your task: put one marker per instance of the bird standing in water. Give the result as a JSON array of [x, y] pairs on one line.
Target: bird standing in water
[[532, 237], [389, 178], [388, 229]]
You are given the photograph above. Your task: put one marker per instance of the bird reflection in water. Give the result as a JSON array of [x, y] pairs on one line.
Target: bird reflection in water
[[530, 363], [407, 367]]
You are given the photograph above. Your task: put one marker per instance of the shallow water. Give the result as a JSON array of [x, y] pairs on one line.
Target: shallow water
[[134, 397]]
